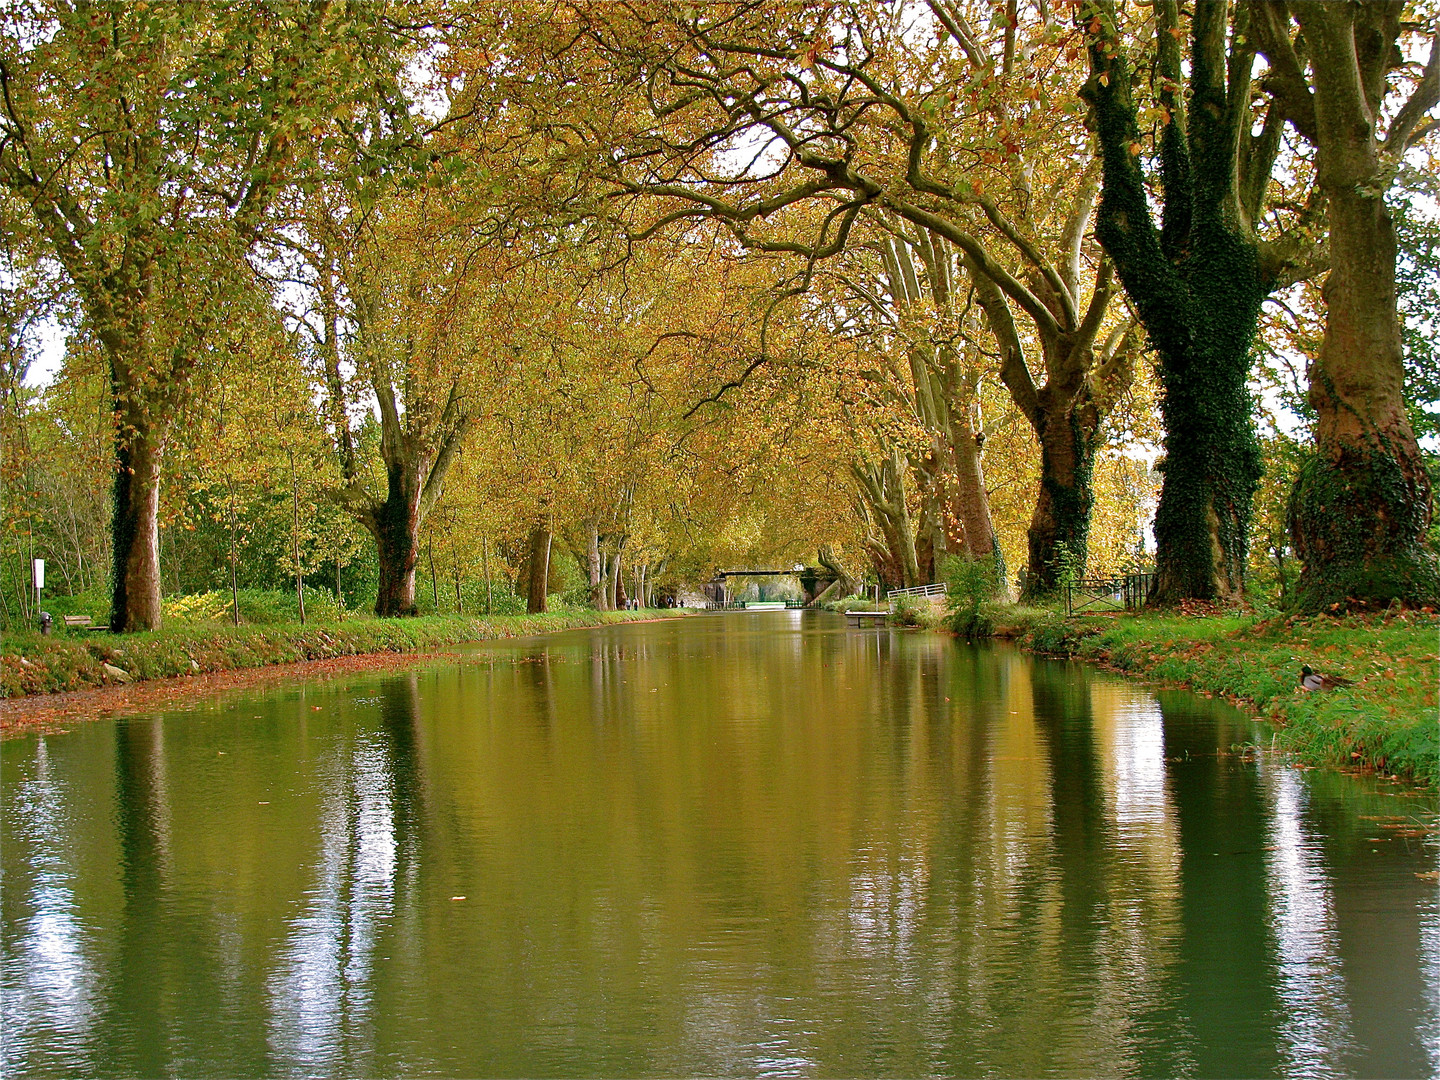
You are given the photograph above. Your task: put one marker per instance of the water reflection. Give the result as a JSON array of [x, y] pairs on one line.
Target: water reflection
[[736, 846], [1316, 1034], [48, 963], [370, 825]]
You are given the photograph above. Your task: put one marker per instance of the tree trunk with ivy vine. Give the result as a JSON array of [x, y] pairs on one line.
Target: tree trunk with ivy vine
[[1361, 505], [1197, 282], [1058, 538], [395, 525]]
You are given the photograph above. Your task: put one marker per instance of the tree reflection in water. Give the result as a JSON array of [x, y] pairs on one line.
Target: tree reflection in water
[[736, 845]]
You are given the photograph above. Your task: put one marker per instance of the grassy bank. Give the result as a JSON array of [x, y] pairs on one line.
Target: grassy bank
[[31, 664], [1387, 720]]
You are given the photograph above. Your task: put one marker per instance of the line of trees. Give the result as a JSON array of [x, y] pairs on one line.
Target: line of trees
[[651, 287]]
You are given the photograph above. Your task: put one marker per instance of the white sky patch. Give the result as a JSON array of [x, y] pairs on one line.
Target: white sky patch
[[49, 355]]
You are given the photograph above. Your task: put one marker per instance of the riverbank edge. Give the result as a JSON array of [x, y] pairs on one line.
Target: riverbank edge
[[1388, 721], [33, 666]]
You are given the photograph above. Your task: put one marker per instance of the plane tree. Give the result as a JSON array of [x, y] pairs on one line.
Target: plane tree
[[753, 113], [1362, 503], [1227, 237], [399, 305], [148, 143]]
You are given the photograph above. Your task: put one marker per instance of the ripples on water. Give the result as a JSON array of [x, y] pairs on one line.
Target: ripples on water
[[737, 845]]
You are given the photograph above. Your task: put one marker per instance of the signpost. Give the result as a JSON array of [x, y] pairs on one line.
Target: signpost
[[38, 569]]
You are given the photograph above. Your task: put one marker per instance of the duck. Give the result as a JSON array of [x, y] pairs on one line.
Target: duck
[[1313, 680]]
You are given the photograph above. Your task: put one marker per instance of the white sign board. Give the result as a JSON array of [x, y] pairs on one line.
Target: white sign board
[[39, 573]]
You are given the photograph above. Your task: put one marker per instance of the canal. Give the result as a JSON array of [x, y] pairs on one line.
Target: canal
[[741, 844]]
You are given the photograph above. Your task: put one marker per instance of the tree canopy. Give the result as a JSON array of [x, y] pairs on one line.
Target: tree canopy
[[595, 299]]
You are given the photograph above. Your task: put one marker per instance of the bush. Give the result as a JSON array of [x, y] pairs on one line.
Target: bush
[[850, 603], [970, 587], [1055, 635], [912, 611], [258, 607]]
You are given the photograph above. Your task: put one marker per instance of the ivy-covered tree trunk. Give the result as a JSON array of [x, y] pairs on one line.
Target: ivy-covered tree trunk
[[1196, 282], [395, 525], [1059, 534], [1361, 505], [1211, 466]]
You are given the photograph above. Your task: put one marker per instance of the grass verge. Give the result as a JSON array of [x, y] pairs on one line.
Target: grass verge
[[32, 664], [1389, 720]]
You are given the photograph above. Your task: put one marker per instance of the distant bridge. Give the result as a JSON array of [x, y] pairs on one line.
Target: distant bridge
[[814, 581]]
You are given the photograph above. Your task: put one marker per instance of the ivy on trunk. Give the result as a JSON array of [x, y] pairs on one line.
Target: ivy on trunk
[[1198, 280], [1361, 505]]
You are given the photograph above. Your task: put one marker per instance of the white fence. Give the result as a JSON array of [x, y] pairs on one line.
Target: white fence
[[936, 589]]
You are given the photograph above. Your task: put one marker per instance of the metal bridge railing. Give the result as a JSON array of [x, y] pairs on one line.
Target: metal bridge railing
[[938, 588]]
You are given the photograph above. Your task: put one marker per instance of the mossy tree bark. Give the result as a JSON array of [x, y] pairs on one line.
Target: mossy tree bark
[[1197, 281], [1361, 505]]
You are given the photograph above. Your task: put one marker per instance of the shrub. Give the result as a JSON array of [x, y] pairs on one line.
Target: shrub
[[258, 607], [850, 603], [911, 611], [970, 586]]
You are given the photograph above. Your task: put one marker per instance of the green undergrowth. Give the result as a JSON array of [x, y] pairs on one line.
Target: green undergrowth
[[32, 664], [915, 611], [1388, 720]]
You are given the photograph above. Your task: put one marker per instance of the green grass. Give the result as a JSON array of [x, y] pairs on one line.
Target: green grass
[[915, 611], [32, 664], [1389, 720]]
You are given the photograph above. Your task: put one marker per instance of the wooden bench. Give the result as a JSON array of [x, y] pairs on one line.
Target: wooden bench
[[82, 622], [861, 616]]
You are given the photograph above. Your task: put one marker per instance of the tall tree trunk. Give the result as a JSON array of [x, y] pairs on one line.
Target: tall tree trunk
[[295, 535], [485, 569], [539, 560], [930, 542], [395, 525], [434, 578], [1197, 283], [618, 599], [882, 490], [234, 557], [1361, 506], [971, 503], [135, 524], [594, 567], [1059, 533]]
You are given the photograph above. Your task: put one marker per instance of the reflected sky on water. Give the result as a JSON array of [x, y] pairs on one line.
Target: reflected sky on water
[[750, 844]]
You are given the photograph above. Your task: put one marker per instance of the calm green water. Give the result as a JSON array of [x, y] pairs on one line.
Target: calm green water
[[742, 844]]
